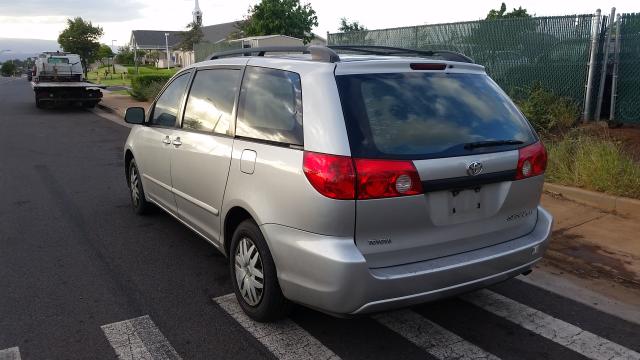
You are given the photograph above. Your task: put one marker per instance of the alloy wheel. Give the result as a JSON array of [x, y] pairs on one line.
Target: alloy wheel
[[135, 186], [249, 272]]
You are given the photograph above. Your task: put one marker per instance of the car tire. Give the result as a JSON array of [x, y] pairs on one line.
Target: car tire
[[136, 191], [38, 104], [263, 304]]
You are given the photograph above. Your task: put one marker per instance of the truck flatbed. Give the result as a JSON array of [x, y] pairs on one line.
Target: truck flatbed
[[66, 84]]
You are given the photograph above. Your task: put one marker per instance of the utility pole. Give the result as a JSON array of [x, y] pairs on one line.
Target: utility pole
[[135, 53], [614, 79], [592, 66], [605, 61], [166, 43]]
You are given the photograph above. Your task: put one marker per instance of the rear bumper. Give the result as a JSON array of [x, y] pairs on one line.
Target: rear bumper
[[95, 99], [330, 273]]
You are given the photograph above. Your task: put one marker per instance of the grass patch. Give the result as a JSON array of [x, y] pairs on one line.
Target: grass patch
[[594, 162], [109, 80]]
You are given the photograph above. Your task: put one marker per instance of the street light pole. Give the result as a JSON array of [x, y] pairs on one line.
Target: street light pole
[[166, 43], [113, 58]]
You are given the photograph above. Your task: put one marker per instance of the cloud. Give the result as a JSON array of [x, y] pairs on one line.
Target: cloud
[[95, 11]]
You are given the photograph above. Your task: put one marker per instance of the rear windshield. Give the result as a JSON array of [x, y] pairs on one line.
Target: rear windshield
[[55, 60], [427, 115]]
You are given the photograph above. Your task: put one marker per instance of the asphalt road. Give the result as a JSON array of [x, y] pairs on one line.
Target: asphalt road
[[82, 277]]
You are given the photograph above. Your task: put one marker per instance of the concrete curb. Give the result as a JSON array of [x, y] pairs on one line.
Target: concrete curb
[[618, 204], [106, 108]]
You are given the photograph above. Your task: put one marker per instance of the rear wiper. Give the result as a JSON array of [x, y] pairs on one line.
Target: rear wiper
[[490, 143]]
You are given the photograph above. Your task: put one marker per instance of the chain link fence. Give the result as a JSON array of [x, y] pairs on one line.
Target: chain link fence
[[204, 50], [628, 99], [515, 52]]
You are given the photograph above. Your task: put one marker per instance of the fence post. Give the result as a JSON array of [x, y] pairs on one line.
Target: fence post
[[592, 68], [614, 79], [605, 61]]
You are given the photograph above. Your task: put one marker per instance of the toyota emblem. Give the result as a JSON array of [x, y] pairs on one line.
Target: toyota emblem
[[474, 168]]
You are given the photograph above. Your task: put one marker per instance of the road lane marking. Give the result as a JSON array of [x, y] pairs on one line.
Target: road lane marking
[[139, 338], [10, 354], [285, 339], [431, 337], [556, 330]]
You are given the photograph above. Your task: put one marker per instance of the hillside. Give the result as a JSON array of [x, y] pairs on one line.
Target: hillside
[[24, 48]]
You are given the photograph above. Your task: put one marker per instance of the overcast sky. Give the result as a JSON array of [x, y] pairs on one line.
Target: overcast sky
[[44, 19]]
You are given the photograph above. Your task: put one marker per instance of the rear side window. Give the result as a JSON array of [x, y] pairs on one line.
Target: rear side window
[[427, 115], [210, 103], [270, 106]]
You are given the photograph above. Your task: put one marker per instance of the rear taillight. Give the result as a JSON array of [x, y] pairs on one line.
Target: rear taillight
[[341, 177], [331, 175], [532, 161], [386, 178]]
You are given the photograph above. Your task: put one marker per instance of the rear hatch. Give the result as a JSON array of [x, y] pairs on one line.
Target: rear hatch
[[465, 139]]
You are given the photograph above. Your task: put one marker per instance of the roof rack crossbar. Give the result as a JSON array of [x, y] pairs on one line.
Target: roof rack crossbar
[[318, 53], [389, 50]]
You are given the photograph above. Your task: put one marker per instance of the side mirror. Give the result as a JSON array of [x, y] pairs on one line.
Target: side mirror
[[134, 115]]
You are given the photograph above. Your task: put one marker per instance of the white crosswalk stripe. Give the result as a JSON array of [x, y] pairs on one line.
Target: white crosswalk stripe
[[10, 354], [556, 330], [285, 339], [431, 337], [138, 339]]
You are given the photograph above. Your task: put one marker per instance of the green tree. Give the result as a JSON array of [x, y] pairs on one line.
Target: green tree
[[125, 56], [280, 17], [81, 37], [155, 55], [347, 26], [8, 68], [104, 52], [503, 14], [192, 36]]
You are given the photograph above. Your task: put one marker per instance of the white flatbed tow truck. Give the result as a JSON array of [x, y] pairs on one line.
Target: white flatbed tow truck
[[58, 78]]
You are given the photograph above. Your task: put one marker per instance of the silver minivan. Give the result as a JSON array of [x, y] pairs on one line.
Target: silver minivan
[[349, 183]]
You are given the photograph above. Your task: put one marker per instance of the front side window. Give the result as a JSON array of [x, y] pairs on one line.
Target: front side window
[[270, 106], [210, 102], [166, 110]]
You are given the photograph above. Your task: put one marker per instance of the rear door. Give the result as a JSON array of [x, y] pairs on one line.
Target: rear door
[[202, 148], [446, 124]]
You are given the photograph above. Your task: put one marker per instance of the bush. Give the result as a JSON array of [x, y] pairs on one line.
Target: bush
[[593, 162], [146, 87], [8, 68], [546, 111], [150, 69]]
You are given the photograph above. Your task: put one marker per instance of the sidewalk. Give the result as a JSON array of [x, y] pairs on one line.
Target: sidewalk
[[118, 104], [593, 244]]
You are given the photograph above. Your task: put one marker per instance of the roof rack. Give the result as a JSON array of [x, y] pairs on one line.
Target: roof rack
[[388, 50], [318, 53], [328, 53]]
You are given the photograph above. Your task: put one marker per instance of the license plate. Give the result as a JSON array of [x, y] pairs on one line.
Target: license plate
[[465, 201]]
